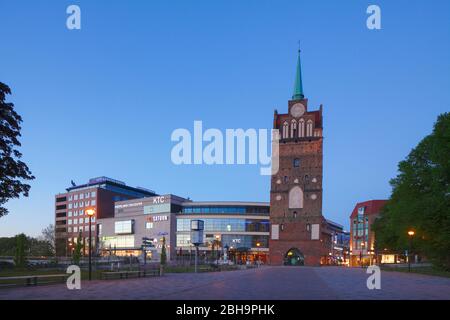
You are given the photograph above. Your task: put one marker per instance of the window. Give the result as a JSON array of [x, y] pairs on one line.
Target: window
[[70, 198], [75, 213], [75, 229], [309, 128], [293, 128], [75, 197], [93, 202], [296, 198], [86, 220], [93, 194], [81, 196], [70, 221], [286, 179], [296, 162], [81, 212], [75, 205], [282, 227], [86, 203], [301, 128], [118, 242], [69, 230], [80, 220], [81, 204], [123, 227], [70, 213], [99, 229], [285, 133], [295, 214], [70, 206], [149, 225], [80, 229]]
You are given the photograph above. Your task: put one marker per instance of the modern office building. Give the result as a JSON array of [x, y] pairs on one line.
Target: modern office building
[[340, 244], [98, 194], [299, 234], [151, 218], [235, 231], [362, 241]]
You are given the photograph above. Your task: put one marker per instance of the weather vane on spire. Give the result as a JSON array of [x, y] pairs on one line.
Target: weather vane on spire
[[299, 46]]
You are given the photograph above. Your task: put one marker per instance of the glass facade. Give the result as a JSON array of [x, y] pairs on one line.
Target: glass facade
[[360, 230], [233, 241], [226, 209], [117, 242], [245, 241], [226, 225]]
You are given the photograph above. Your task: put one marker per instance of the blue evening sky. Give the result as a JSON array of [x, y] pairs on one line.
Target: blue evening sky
[[104, 100]]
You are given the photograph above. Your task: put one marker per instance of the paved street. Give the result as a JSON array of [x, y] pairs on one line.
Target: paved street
[[264, 283]]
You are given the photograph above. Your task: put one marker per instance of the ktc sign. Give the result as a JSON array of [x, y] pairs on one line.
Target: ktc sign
[[159, 200]]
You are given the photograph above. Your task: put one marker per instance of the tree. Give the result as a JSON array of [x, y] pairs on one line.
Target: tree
[[21, 242], [420, 199], [78, 250], [12, 170], [48, 236], [163, 252]]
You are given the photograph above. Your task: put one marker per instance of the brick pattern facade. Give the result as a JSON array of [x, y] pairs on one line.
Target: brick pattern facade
[[300, 156]]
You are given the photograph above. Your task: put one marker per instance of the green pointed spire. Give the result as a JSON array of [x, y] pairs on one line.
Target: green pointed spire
[[298, 86]]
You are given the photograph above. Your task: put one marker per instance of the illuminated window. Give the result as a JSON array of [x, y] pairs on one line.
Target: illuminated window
[[296, 162]]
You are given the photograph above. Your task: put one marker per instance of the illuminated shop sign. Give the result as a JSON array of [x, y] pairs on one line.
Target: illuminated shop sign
[[158, 218], [128, 205], [160, 200]]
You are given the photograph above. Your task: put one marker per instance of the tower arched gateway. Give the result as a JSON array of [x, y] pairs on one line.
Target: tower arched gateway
[[298, 229], [294, 257]]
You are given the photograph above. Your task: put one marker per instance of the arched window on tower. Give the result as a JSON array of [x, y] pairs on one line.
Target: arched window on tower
[[293, 128], [296, 198], [301, 128], [309, 128], [285, 130]]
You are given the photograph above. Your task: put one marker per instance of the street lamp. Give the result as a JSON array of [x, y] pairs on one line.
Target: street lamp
[[411, 234], [90, 213]]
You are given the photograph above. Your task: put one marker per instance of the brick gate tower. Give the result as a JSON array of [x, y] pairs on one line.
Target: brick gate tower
[[298, 229]]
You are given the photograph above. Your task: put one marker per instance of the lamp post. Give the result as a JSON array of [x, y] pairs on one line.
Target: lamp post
[[363, 244], [197, 227], [90, 213], [411, 235]]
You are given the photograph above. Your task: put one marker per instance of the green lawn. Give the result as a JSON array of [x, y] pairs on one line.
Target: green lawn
[[432, 271]]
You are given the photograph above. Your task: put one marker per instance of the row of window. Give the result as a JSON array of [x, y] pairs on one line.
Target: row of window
[[226, 209], [227, 225], [82, 196], [76, 213], [82, 204], [292, 131], [80, 220], [80, 228]]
